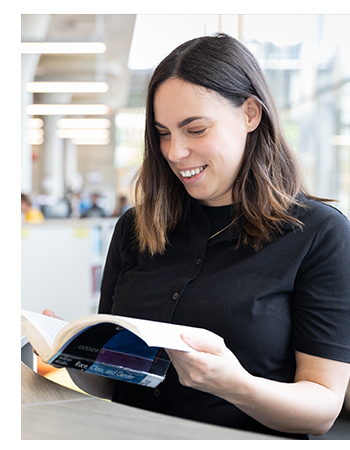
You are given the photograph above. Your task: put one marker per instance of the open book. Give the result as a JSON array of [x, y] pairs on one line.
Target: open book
[[117, 347]]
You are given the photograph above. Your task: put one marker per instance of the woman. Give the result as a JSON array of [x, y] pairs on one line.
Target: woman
[[224, 237]]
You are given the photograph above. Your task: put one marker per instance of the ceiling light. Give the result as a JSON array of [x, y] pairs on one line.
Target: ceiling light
[[35, 140], [88, 134], [67, 86], [83, 123], [104, 141], [34, 123], [62, 47], [69, 109], [35, 132]]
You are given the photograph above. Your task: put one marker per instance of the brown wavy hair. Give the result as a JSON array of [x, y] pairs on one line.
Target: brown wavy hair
[[269, 179]]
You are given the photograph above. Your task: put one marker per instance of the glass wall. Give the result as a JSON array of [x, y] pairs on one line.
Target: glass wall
[[306, 59]]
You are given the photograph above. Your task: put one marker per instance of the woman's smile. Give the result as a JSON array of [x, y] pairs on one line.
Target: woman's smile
[[189, 174], [202, 136]]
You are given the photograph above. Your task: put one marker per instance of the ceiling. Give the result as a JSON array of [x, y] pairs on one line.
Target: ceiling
[[115, 30]]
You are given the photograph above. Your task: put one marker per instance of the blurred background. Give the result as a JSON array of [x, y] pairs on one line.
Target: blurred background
[[83, 86]]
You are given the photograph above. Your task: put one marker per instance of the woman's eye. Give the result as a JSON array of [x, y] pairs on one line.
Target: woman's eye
[[197, 132], [163, 134]]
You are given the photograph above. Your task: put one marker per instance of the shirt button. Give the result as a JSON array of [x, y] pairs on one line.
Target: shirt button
[[176, 296], [198, 262], [157, 393]]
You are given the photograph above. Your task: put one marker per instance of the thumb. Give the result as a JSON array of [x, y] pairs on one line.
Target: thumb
[[48, 312], [203, 345]]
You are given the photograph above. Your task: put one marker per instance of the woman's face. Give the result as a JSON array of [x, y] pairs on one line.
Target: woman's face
[[202, 136]]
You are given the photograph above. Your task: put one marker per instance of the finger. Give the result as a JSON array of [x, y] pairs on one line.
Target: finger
[[203, 345], [50, 313]]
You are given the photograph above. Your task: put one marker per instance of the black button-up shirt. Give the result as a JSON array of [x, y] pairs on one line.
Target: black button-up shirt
[[291, 295]]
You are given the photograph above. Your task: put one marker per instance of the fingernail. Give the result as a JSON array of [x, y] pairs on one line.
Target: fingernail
[[189, 337]]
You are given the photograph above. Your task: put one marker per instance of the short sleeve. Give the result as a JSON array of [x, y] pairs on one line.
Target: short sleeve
[[321, 303]]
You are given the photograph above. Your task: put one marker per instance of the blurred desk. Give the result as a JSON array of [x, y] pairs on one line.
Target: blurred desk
[[51, 411]]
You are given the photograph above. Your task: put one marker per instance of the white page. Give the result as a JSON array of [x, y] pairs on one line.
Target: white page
[[49, 327], [168, 335]]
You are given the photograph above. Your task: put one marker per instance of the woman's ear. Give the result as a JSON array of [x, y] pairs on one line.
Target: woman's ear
[[253, 113]]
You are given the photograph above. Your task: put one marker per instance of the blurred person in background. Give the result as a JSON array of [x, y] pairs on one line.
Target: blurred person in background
[[29, 212], [95, 210], [121, 207]]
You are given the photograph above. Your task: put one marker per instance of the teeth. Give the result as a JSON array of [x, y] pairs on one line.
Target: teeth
[[191, 173]]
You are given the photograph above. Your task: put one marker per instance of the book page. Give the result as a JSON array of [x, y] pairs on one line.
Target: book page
[[166, 335], [48, 327]]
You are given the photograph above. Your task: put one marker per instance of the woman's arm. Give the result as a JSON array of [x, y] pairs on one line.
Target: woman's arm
[[309, 405]]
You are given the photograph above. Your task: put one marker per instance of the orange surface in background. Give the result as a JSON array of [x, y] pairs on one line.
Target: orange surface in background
[[59, 376], [43, 368]]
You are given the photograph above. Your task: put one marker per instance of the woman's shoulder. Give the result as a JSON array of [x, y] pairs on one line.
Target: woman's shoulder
[[128, 215], [317, 213], [124, 224]]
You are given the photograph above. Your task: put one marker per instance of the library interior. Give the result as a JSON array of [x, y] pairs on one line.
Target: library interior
[[84, 84]]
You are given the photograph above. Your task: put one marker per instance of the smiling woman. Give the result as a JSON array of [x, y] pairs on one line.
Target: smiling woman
[[204, 150], [225, 237], [218, 80]]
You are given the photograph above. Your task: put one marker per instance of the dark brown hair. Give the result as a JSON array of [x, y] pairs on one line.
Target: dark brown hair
[[269, 179]]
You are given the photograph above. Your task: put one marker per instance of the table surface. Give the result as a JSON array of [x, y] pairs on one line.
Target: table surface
[[54, 412]]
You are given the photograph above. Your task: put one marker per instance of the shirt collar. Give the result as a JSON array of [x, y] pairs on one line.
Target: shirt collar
[[232, 233], [203, 225]]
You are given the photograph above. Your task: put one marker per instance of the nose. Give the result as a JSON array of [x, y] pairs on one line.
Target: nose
[[177, 149]]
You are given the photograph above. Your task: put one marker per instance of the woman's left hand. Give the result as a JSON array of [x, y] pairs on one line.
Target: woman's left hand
[[212, 368], [309, 405]]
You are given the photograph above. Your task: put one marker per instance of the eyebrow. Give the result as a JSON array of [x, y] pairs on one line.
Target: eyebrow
[[183, 122]]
